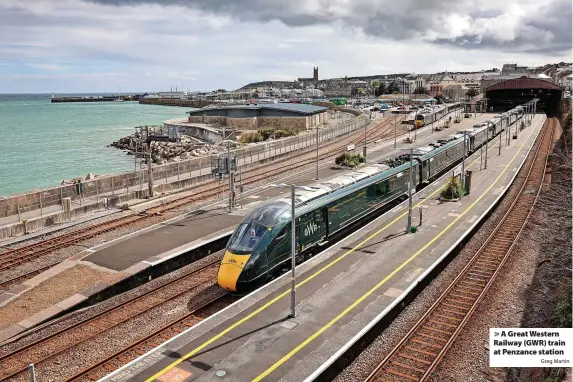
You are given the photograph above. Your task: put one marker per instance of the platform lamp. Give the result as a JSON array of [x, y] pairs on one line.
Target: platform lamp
[[293, 241], [410, 181]]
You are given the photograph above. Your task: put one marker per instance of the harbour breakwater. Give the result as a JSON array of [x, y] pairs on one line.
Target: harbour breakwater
[[176, 102], [121, 98], [165, 152]]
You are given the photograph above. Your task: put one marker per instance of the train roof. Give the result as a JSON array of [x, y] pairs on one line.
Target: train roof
[[323, 193], [317, 190], [442, 148], [423, 150], [337, 194]]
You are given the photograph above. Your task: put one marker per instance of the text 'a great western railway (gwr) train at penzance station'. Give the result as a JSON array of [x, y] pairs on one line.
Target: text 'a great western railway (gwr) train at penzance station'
[[260, 246]]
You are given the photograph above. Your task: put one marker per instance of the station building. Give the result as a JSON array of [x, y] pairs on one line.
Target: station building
[[507, 94], [258, 116]]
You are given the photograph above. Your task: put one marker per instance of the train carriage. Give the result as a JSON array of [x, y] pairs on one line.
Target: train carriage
[[434, 163]]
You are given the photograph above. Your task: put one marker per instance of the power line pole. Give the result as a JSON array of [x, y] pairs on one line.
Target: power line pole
[[293, 254], [410, 191], [149, 171], [229, 172], [316, 152]]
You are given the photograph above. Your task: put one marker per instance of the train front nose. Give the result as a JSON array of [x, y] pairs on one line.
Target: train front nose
[[230, 270]]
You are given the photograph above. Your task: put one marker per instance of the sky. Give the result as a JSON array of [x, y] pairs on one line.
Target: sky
[[59, 46]]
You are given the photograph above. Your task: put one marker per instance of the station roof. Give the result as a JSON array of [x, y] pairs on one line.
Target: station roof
[[524, 83], [299, 108]]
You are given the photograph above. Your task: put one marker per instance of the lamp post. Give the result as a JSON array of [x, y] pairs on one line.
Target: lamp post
[[464, 161], [410, 181], [316, 152], [364, 150], [486, 144], [229, 172], [292, 241], [395, 115]]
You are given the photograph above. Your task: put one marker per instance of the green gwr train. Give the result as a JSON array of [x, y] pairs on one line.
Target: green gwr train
[[261, 243]]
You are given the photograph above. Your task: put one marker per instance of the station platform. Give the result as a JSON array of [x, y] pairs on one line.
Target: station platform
[[131, 255], [341, 291]]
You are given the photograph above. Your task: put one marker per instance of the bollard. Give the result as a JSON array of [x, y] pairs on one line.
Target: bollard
[[421, 210], [468, 182], [32, 371]]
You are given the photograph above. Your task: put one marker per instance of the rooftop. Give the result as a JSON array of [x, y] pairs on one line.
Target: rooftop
[[524, 83], [292, 107]]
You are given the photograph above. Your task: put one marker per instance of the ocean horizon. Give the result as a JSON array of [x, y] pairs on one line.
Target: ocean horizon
[[43, 143]]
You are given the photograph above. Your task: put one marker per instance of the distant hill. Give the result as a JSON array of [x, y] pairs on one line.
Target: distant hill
[[275, 84], [282, 84]]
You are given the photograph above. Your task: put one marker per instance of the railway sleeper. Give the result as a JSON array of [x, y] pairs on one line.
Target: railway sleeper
[[401, 375], [441, 322], [421, 351], [430, 328], [407, 367]]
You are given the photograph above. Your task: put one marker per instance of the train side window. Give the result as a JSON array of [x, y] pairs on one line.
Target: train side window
[[318, 216], [282, 234]]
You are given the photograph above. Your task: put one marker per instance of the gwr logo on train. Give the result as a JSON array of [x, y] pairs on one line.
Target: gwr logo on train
[[310, 229]]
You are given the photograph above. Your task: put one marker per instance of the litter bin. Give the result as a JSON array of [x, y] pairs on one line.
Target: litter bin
[[468, 182]]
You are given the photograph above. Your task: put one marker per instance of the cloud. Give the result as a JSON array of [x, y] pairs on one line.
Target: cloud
[[73, 45], [515, 25]]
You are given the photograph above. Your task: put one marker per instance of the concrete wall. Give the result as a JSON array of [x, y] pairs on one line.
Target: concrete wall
[[242, 123], [282, 123], [274, 120], [200, 132]]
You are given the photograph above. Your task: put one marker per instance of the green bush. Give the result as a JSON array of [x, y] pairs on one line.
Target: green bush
[[453, 189], [562, 313], [269, 132], [350, 160], [251, 137]]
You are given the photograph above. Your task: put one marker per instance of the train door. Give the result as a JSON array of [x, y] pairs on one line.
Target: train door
[[312, 228], [280, 248]]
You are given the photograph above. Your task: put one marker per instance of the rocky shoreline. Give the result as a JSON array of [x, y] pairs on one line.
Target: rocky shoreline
[[166, 152]]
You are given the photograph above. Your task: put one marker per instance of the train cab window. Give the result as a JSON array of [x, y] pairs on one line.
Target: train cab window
[[246, 237]]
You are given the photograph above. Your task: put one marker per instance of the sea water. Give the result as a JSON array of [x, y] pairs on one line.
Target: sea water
[[43, 143]]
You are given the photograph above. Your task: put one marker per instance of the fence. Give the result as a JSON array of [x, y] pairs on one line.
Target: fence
[[133, 181]]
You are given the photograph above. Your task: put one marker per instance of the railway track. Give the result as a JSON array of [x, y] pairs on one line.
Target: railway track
[[7, 284], [45, 349], [425, 345], [17, 256], [140, 347]]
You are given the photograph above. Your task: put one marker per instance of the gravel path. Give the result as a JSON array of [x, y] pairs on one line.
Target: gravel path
[[365, 363], [50, 292]]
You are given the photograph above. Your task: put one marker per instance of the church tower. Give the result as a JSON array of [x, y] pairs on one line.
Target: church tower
[[315, 75]]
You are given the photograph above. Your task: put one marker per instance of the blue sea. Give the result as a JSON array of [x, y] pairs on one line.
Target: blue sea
[[42, 143]]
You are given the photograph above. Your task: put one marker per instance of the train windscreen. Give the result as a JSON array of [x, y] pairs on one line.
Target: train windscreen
[[246, 237]]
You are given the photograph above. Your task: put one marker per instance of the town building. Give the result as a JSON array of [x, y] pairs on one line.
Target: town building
[[437, 82], [257, 116], [514, 69], [314, 79]]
